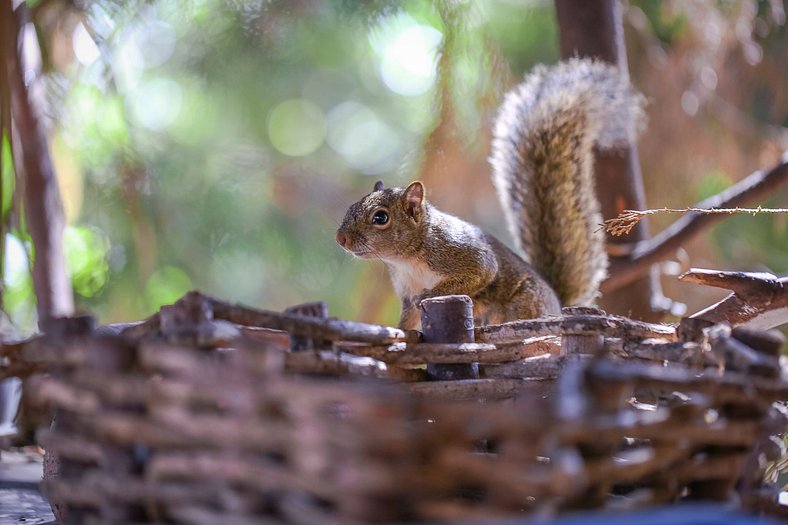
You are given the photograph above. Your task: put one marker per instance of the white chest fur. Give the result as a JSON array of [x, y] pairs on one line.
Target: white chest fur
[[411, 278]]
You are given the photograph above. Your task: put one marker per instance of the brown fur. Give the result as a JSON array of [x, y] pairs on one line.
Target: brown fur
[[543, 167], [451, 255], [542, 161]]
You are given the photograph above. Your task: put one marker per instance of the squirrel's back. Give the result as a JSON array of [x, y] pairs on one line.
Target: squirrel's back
[[542, 158]]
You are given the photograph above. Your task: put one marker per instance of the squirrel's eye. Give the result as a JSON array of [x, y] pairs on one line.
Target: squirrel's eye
[[380, 217]]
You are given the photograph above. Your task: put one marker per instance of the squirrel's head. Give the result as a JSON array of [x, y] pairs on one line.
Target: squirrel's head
[[386, 223]]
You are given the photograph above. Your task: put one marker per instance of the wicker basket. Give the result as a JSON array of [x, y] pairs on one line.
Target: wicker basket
[[209, 413]]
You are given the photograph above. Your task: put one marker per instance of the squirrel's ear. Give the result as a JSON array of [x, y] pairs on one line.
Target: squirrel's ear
[[378, 186], [414, 199]]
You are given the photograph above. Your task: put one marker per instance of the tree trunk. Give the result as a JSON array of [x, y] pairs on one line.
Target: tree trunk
[[593, 28]]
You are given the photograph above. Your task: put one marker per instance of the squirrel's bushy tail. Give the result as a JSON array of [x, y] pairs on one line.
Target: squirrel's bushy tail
[[542, 158]]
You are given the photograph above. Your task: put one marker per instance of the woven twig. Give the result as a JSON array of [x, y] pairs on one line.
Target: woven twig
[[188, 420]]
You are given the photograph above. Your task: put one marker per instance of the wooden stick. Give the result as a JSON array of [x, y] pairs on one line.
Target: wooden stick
[[536, 368], [421, 353], [467, 389], [310, 362], [316, 309], [728, 387], [43, 205], [759, 300], [610, 326], [674, 352], [311, 327], [746, 284], [296, 325]]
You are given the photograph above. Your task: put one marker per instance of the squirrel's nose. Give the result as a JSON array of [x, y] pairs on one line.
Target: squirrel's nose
[[342, 239]]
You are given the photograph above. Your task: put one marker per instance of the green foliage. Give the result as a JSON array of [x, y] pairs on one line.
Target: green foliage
[[711, 184], [742, 239], [18, 297], [665, 24], [86, 252], [218, 142], [6, 179], [524, 36], [18, 300], [216, 145], [763, 238], [165, 286], [95, 126]]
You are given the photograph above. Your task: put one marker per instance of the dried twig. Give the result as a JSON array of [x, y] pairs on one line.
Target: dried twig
[[758, 185], [627, 220]]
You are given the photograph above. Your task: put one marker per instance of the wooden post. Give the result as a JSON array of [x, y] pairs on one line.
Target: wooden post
[[449, 319], [593, 28], [43, 206], [582, 344]]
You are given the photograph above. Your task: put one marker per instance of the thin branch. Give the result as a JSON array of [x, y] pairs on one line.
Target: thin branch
[[627, 220], [758, 185], [43, 206]]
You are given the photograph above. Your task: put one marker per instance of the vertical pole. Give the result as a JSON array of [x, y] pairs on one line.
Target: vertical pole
[[594, 28], [582, 344], [449, 319], [43, 207]]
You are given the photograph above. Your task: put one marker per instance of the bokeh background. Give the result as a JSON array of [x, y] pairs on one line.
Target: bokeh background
[[215, 144]]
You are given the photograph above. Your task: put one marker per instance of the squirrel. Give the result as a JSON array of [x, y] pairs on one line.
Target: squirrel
[[542, 160]]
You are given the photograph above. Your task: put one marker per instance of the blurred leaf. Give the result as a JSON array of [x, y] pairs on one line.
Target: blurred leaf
[[711, 184], [745, 238], [86, 252], [667, 26], [7, 179], [202, 174], [18, 297], [524, 36], [166, 286]]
